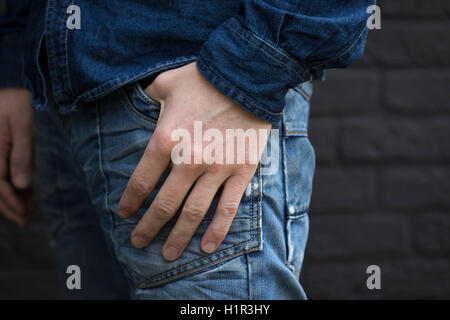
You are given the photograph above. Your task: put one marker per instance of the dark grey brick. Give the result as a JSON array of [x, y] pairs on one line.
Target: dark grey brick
[[416, 187], [408, 44], [338, 188], [29, 284], [430, 9], [345, 237], [418, 91], [431, 233], [324, 136], [406, 278], [395, 140], [346, 92]]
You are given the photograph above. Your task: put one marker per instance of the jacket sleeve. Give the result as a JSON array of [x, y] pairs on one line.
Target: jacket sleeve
[[274, 45], [13, 17]]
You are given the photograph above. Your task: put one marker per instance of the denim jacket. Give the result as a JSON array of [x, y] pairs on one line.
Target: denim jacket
[[253, 51]]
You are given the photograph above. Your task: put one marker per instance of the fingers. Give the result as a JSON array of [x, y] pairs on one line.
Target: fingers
[[154, 161], [226, 210], [194, 210], [10, 204], [165, 204], [21, 159]]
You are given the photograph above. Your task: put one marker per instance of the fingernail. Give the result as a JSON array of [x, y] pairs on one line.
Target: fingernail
[[138, 241], [22, 181], [123, 214], [171, 253], [209, 247]]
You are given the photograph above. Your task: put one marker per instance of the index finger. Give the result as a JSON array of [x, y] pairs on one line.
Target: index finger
[[144, 178]]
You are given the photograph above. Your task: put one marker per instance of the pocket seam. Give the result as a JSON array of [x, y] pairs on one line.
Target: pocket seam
[[148, 283], [144, 96], [135, 112], [145, 284], [303, 93], [295, 133]]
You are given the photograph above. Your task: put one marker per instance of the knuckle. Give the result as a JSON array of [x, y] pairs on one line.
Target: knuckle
[[245, 169], [193, 212], [126, 208], [229, 209], [163, 141], [215, 169], [218, 232], [145, 233], [140, 186], [164, 209], [196, 155], [189, 169], [179, 239], [161, 81]]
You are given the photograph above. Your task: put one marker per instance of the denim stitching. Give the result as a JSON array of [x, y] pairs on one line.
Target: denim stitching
[[253, 35], [152, 284], [69, 83], [303, 93], [124, 81], [106, 198], [100, 161], [149, 283], [249, 279], [131, 107], [145, 97], [242, 32], [296, 133]]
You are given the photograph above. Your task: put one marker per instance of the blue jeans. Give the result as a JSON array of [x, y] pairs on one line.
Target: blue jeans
[[260, 258]]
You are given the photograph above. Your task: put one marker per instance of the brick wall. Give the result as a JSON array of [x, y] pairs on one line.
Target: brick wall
[[381, 131], [381, 196]]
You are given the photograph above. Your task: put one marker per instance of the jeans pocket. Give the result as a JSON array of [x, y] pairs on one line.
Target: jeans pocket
[[141, 104], [124, 137], [148, 268]]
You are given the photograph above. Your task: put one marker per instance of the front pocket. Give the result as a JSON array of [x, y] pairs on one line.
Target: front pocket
[[141, 104], [147, 266]]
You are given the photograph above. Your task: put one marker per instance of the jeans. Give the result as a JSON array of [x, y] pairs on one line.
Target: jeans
[[91, 156]]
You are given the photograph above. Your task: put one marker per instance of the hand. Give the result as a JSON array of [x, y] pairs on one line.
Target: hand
[[185, 96], [16, 143]]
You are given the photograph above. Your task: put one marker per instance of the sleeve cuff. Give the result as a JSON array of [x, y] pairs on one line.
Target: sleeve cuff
[[249, 70]]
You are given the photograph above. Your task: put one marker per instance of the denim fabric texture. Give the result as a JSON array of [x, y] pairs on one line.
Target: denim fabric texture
[[260, 258], [261, 54], [252, 51], [72, 222]]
